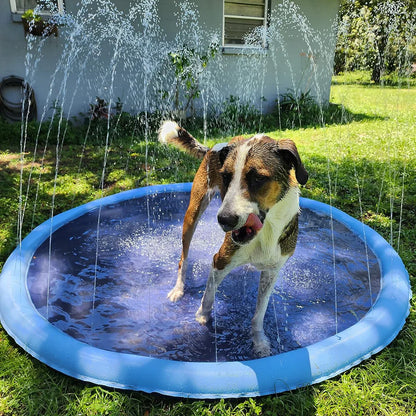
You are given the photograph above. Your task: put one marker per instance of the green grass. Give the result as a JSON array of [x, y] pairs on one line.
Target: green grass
[[364, 154]]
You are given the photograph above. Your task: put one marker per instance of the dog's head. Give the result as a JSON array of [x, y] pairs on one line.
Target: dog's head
[[256, 173]]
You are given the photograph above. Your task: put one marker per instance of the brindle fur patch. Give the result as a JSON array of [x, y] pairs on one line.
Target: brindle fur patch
[[289, 237], [226, 252]]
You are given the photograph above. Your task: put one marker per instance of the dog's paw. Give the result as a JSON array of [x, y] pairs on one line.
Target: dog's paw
[[175, 294], [201, 317], [261, 344]]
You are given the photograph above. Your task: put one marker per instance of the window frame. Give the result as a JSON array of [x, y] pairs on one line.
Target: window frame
[[235, 47], [17, 13]]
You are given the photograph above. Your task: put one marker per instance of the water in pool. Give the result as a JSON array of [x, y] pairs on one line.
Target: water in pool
[[107, 285]]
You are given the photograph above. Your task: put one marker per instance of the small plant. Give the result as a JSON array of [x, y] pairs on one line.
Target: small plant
[[237, 116], [99, 110], [31, 16], [34, 24], [296, 109], [188, 64], [292, 101]]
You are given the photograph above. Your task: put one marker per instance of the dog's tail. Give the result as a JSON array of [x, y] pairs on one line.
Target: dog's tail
[[171, 133]]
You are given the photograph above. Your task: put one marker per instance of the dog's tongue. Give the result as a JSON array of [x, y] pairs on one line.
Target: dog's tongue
[[248, 231], [253, 222]]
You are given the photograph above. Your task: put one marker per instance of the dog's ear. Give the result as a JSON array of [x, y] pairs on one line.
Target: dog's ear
[[288, 150]]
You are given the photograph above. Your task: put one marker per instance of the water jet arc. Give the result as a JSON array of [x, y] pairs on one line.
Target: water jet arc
[[252, 377]]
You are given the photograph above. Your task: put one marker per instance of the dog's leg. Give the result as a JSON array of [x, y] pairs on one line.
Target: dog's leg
[[216, 276], [200, 198], [261, 342], [222, 265]]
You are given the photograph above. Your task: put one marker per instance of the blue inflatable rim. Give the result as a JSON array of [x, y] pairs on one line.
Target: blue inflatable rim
[[274, 374]]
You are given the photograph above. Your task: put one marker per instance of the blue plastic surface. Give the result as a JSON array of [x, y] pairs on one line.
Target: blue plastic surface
[[282, 372]]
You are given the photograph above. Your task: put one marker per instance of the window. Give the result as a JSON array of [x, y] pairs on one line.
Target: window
[[45, 6], [240, 18]]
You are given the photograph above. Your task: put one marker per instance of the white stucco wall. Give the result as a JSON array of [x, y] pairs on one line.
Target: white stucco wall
[[124, 59]]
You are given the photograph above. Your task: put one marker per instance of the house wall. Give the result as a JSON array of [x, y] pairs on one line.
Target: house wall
[[124, 57]]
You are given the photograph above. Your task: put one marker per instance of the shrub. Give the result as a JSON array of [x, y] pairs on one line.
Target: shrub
[[235, 117]]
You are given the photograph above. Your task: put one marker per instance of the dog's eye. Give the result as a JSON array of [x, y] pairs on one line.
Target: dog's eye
[[226, 178], [256, 180]]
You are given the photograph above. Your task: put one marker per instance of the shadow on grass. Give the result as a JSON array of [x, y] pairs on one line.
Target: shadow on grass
[[130, 129], [314, 116]]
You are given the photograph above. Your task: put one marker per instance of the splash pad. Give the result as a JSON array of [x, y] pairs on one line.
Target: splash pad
[[85, 293]]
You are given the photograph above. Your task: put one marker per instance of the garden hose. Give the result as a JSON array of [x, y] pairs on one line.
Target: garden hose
[[27, 106]]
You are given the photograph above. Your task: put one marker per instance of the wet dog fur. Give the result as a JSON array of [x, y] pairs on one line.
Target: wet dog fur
[[258, 179]]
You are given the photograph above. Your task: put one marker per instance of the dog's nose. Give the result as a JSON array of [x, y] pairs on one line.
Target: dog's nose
[[227, 221]]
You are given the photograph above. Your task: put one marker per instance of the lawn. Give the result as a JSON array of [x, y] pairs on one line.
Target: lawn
[[362, 159]]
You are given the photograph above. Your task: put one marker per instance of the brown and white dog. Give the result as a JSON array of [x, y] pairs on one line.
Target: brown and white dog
[[258, 179]]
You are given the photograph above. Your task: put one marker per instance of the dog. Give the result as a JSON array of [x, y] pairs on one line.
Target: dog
[[258, 179]]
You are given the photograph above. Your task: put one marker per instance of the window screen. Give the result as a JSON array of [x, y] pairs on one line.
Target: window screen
[[241, 17], [20, 6]]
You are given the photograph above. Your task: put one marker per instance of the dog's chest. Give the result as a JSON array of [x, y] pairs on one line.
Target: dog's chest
[[264, 252]]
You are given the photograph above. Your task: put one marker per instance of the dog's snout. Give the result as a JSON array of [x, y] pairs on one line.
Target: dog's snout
[[228, 221]]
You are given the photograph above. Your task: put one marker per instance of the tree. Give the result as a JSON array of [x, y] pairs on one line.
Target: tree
[[376, 35]]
